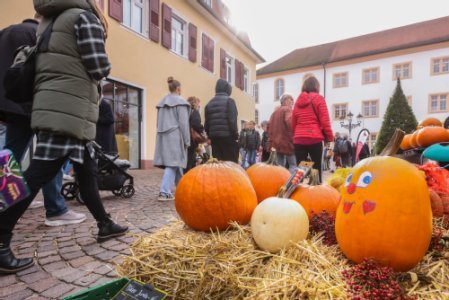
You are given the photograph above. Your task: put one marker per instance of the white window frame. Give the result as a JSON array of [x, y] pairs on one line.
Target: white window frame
[[184, 32], [438, 101], [277, 88], [399, 68], [370, 72], [144, 5], [340, 111], [442, 63], [340, 80], [370, 108], [246, 80], [230, 69]]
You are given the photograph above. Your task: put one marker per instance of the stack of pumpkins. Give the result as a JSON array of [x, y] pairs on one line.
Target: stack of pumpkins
[[429, 132], [384, 212]]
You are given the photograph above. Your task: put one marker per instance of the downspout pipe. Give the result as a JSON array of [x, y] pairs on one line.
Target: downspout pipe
[[324, 80]]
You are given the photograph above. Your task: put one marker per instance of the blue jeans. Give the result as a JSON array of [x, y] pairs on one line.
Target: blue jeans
[[290, 159], [251, 156], [18, 139], [243, 155], [67, 167], [171, 177]]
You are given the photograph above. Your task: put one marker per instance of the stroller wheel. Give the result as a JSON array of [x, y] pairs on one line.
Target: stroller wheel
[[117, 192], [69, 190], [79, 199], [128, 191]]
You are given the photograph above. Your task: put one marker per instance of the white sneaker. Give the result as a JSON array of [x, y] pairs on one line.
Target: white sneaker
[[36, 204], [67, 177], [70, 217]]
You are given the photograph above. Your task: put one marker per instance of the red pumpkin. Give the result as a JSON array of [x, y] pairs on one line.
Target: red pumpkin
[[213, 194], [267, 177], [431, 135], [316, 198]]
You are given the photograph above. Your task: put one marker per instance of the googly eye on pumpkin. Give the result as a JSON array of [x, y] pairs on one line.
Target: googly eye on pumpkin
[[364, 179], [348, 180]]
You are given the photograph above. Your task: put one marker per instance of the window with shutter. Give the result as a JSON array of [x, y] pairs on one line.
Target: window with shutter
[[154, 20], [207, 53], [237, 73], [116, 10], [166, 25], [223, 65], [192, 42]]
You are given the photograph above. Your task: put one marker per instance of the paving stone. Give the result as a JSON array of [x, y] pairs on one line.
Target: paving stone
[[12, 289], [72, 255], [44, 284], [119, 247], [88, 279], [104, 269], [20, 295], [81, 261], [36, 298], [106, 255], [49, 259], [58, 290], [7, 280], [55, 266], [46, 253], [33, 269], [69, 243], [69, 249], [33, 277]]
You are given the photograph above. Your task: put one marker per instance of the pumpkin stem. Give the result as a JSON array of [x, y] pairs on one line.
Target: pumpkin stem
[[272, 160], [212, 160], [314, 177]]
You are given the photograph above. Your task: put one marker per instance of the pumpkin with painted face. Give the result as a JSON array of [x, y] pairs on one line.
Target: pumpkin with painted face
[[385, 213]]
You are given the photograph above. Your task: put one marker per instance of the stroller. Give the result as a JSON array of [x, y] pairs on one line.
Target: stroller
[[111, 175]]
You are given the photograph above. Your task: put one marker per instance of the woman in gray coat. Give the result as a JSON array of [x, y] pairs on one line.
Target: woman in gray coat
[[172, 139]]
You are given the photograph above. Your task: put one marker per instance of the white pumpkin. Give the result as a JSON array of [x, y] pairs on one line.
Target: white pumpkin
[[277, 221]]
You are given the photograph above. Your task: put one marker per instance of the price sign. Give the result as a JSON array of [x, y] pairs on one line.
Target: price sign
[[135, 290]]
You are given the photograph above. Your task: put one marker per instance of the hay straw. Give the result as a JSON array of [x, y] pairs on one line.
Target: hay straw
[[228, 265]]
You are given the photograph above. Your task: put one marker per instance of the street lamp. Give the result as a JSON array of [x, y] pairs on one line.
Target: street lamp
[[351, 125]]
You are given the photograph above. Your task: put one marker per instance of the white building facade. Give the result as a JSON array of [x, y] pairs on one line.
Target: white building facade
[[363, 84]]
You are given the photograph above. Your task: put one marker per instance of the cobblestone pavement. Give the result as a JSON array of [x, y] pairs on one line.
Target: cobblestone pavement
[[68, 258]]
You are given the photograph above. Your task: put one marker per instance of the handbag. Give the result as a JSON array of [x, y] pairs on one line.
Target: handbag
[[316, 115], [19, 78], [198, 138]]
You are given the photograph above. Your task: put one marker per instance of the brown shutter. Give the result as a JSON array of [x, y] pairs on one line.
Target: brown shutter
[[211, 49], [237, 73], [204, 51], [223, 74], [242, 76], [116, 10], [192, 42], [154, 20], [166, 26]]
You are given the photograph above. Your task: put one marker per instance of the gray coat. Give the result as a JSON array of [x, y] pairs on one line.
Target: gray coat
[[173, 132]]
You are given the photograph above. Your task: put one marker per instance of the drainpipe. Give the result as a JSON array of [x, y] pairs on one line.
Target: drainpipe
[[324, 80]]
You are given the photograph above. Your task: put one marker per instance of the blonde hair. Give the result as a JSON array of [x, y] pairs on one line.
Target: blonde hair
[[99, 14], [194, 102]]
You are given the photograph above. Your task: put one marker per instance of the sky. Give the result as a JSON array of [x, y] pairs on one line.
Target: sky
[[277, 27]]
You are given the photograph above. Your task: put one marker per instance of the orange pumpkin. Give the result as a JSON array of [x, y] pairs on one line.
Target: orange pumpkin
[[211, 195], [431, 135], [316, 198], [436, 204], [429, 122], [385, 213], [267, 177], [405, 144], [413, 139]]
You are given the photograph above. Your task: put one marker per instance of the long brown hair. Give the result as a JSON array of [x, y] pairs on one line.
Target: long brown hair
[[310, 85], [99, 13], [173, 84]]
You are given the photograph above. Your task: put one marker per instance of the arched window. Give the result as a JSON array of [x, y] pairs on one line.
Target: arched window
[[279, 88]]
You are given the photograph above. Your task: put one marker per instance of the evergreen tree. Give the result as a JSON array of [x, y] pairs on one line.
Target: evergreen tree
[[398, 115]]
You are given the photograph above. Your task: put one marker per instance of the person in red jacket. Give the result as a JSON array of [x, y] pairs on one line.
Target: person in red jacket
[[311, 124]]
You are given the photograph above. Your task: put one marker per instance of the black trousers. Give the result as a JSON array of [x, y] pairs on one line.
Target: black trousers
[[191, 157], [315, 151], [225, 149], [39, 173]]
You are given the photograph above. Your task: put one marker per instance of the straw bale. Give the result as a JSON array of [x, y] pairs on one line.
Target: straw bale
[[228, 265]]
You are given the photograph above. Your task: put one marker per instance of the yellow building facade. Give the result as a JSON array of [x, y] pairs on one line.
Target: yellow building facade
[[150, 40]]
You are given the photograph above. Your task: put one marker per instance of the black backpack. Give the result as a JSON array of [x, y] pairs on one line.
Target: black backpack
[[19, 78]]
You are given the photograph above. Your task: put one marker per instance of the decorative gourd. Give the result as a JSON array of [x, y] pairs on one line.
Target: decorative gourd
[[385, 213], [414, 139], [436, 204], [267, 177], [405, 144], [276, 222], [429, 122], [431, 135], [316, 198], [211, 195]]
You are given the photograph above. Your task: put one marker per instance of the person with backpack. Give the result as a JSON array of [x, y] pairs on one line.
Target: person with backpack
[[221, 123], [195, 124], [64, 115], [345, 148], [310, 124], [17, 117]]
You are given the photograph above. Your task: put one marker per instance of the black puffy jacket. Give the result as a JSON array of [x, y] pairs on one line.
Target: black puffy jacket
[[221, 113]]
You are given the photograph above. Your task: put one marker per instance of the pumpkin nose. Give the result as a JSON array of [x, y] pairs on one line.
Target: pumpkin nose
[[351, 188]]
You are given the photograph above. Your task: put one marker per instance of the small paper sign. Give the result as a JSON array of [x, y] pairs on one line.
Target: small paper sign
[[135, 290]]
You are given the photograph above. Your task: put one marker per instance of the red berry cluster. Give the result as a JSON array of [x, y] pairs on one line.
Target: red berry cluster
[[369, 280], [324, 222]]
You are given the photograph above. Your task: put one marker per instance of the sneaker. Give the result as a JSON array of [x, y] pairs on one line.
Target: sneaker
[[70, 217], [36, 204], [108, 229], [165, 197], [67, 177]]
